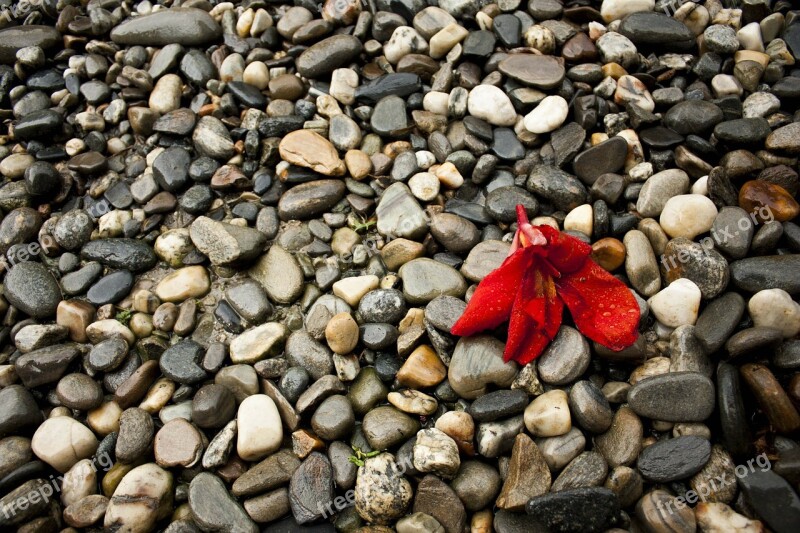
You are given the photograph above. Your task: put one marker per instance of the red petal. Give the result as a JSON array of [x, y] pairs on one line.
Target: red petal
[[535, 318], [602, 306], [566, 253], [491, 303]]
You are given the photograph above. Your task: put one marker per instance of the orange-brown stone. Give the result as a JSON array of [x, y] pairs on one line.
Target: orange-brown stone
[[609, 253], [768, 201], [423, 368]]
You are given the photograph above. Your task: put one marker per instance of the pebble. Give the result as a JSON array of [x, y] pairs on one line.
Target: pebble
[[491, 104], [382, 493], [651, 397], [184, 26], [49, 445], [140, 499], [528, 475], [548, 116], [678, 304], [214, 509]]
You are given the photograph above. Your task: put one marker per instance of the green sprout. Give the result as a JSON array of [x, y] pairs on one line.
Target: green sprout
[[358, 456], [123, 317]]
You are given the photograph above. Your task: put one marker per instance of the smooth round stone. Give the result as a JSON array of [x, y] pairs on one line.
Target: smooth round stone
[[693, 117], [548, 415], [142, 498], [424, 279], [62, 441], [477, 363], [548, 116], [128, 254], [385, 427], [444, 311], [213, 508], [111, 288], [457, 234], [658, 189], [20, 411], [561, 189], [178, 443], [185, 26], [719, 320], [539, 71], [620, 445], [603, 158], [678, 304], [136, 430], [565, 359], [32, 289], [491, 104], [260, 432], [774, 308], [213, 406], [649, 510], [652, 28], [279, 274], [612, 10], [334, 418], [483, 259], [498, 404], [673, 459], [181, 362], [108, 354], [310, 199], [257, 343], [341, 333], [657, 397], [687, 215], [327, 55], [79, 391], [589, 407], [382, 493]]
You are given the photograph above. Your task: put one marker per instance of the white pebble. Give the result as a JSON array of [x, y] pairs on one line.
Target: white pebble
[[677, 304], [774, 308], [548, 116], [424, 186], [687, 215]]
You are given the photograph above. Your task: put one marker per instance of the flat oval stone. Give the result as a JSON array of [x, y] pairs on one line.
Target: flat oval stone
[[674, 459], [130, 254], [185, 26], [327, 55], [32, 289], [673, 397], [583, 509], [755, 274], [542, 72], [310, 199], [181, 362], [656, 29], [12, 39], [606, 157]]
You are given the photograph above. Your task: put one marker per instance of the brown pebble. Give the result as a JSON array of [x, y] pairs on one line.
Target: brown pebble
[[178, 443], [771, 397], [422, 369], [135, 387], [768, 201], [609, 253]]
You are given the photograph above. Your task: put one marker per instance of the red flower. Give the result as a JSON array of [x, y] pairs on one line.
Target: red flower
[[546, 269]]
